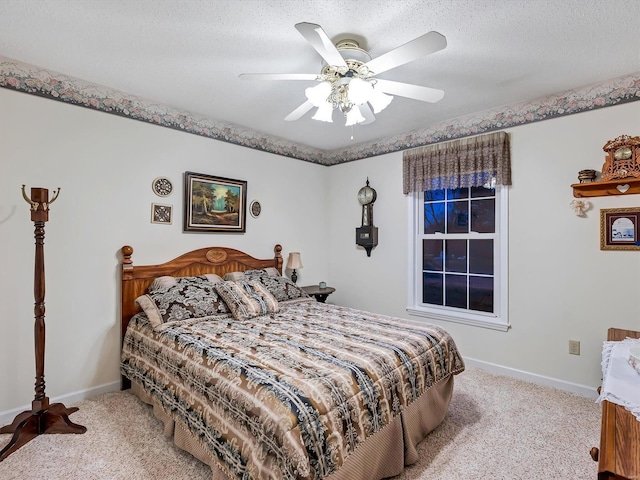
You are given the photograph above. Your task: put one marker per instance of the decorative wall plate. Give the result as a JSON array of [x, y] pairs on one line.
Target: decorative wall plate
[[255, 208], [161, 213], [162, 186]]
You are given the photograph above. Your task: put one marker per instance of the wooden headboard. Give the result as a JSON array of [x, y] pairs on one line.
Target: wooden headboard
[[218, 260]]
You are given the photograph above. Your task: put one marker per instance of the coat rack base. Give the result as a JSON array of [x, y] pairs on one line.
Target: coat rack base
[[41, 419]]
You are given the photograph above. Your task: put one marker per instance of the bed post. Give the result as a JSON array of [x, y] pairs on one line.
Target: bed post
[[125, 301], [278, 257]]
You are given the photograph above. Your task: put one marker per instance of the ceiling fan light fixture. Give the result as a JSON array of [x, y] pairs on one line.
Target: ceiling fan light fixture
[[318, 95], [379, 100], [324, 113], [354, 116], [347, 79]]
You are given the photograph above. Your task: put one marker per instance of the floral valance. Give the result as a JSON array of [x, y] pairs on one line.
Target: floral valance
[[468, 162]]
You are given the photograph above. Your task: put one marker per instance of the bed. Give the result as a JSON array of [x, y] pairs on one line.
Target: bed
[[259, 381]]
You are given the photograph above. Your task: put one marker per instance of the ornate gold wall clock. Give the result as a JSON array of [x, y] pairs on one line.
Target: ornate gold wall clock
[[623, 158]]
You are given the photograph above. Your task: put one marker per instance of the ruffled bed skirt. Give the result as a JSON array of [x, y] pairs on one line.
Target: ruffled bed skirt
[[382, 455]]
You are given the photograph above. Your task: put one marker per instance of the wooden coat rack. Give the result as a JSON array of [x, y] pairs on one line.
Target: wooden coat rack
[[43, 417]]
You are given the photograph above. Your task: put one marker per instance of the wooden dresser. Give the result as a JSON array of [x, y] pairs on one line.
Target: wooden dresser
[[619, 454]]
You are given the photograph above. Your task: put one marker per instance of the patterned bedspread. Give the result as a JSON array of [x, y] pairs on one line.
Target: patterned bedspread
[[287, 395]]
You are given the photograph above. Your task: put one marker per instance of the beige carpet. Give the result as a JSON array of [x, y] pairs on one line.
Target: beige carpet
[[497, 428]]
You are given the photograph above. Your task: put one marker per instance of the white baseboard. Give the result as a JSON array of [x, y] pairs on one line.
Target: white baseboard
[[69, 399], [582, 390]]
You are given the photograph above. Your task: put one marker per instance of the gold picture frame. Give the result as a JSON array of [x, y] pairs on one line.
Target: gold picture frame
[[619, 228]]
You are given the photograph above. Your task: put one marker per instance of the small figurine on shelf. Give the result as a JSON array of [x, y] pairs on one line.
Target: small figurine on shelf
[[586, 176]]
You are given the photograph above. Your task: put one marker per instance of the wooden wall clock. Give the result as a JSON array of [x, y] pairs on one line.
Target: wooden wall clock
[[623, 158], [367, 234]]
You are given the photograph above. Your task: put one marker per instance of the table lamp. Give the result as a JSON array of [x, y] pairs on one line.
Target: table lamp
[[293, 263]]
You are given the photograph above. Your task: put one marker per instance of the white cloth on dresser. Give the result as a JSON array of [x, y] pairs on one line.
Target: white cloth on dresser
[[620, 381]]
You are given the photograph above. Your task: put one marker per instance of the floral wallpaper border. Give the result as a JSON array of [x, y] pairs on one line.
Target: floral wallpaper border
[[57, 86]]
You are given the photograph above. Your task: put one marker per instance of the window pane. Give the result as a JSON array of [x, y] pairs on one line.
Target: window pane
[[434, 217], [432, 255], [456, 257], [481, 256], [482, 192], [456, 291], [455, 193], [481, 293], [458, 217], [483, 215], [434, 195], [432, 288]]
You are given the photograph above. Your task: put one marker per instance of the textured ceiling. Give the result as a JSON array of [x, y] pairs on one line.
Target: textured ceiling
[[187, 54]]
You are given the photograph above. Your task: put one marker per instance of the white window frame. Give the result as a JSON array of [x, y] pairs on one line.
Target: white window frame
[[499, 320]]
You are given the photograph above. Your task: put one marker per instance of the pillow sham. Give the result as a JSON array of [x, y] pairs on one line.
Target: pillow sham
[[280, 287], [166, 281], [188, 297], [247, 299], [235, 276]]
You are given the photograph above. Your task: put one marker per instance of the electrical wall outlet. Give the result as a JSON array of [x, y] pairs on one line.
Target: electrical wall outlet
[[574, 347]]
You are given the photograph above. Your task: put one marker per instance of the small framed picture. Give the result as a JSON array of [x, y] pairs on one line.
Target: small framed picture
[[161, 213], [619, 229]]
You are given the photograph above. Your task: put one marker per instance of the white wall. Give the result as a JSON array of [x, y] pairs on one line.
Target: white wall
[[561, 285], [105, 165]]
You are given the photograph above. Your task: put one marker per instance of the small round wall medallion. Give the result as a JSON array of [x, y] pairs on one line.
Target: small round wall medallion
[[162, 186], [255, 208]]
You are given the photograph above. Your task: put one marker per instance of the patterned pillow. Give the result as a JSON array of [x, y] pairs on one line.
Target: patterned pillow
[[235, 276], [188, 297], [247, 299], [280, 287], [164, 282]]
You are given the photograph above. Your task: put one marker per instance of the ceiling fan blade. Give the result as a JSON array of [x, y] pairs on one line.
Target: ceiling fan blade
[[299, 112], [417, 92], [279, 76], [365, 109], [319, 40], [418, 47]]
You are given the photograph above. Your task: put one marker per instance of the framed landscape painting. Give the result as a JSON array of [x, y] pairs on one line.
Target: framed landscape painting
[[214, 204]]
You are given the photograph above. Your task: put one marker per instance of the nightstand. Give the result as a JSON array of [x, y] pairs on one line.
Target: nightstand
[[320, 294]]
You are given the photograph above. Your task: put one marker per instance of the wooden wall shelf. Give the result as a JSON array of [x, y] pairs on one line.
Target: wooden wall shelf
[[601, 189]]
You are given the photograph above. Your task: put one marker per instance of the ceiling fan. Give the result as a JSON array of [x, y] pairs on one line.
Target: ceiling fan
[[348, 81]]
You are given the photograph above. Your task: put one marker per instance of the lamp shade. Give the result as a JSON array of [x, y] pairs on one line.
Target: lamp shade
[[354, 116], [318, 95], [324, 113], [359, 91], [379, 100], [294, 262]]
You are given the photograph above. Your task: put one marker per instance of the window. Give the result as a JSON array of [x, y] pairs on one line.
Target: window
[[459, 256], [458, 218]]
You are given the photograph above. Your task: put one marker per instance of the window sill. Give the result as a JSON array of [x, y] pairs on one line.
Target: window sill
[[488, 322]]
